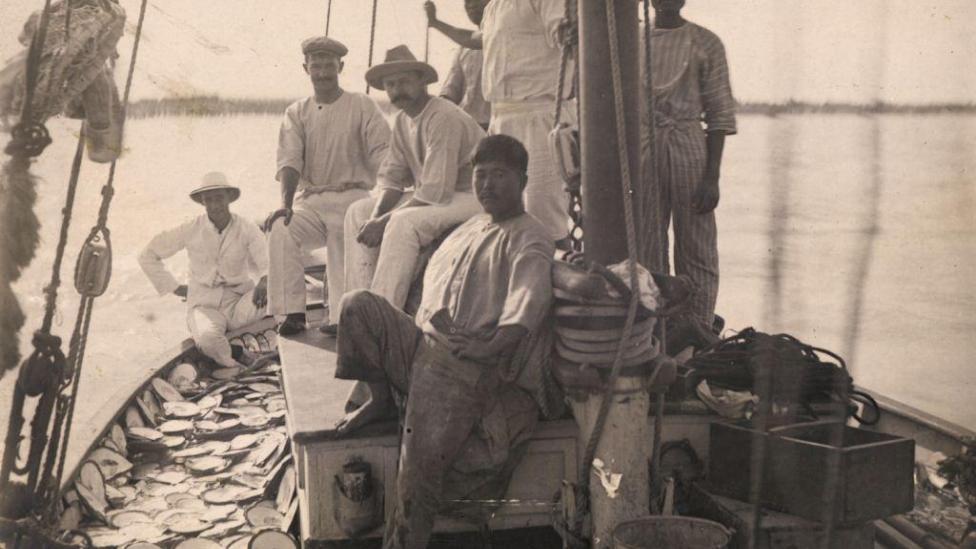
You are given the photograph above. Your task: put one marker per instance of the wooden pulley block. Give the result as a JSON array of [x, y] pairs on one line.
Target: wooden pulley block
[[93, 270]]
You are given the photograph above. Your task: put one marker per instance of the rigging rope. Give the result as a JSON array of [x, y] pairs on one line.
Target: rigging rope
[[372, 41], [19, 225], [575, 204], [79, 337], [649, 166], [328, 17]]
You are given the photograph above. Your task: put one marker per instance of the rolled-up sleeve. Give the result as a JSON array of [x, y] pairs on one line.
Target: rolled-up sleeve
[[551, 13], [717, 100], [453, 87], [529, 287], [291, 141], [442, 140], [376, 136], [164, 245], [394, 171]]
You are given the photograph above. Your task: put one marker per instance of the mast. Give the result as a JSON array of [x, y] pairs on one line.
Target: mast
[[603, 234], [623, 440]]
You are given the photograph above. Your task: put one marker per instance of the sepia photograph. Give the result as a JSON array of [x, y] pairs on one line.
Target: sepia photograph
[[570, 274]]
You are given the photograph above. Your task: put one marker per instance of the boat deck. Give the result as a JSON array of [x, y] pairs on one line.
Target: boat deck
[[316, 401]]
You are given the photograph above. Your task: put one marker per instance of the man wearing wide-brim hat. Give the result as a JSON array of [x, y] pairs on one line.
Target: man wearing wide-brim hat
[[330, 147], [424, 181], [226, 253]]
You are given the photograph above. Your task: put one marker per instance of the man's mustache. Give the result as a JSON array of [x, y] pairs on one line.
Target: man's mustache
[[396, 98]]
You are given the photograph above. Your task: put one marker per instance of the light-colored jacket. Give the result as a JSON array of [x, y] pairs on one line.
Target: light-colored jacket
[[218, 260]]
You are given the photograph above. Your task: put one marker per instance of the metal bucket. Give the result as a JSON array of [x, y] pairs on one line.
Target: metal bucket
[[670, 532]]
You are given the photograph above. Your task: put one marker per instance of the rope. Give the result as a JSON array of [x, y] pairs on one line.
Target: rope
[[650, 177], [575, 205], [372, 41], [79, 336], [563, 61], [51, 291], [426, 44], [618, 101], [328, 17], [34, 62], [19, 225]]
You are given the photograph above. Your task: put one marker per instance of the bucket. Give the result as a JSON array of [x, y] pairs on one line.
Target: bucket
[[670, 532]]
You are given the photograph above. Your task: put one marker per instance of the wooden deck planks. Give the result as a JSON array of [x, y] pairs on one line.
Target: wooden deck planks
[[316, 399]]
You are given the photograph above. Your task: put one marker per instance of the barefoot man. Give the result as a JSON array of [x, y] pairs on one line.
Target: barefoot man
[[486, 290]]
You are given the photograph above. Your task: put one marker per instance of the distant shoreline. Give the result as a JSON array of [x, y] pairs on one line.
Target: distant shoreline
[[216, 106]]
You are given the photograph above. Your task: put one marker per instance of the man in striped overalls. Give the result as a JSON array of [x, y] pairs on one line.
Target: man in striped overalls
[[690, 80]]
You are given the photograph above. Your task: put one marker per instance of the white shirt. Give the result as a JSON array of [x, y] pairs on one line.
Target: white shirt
[[218, 260], [520, 41], [431, 152], [334, 146], [463, 85]]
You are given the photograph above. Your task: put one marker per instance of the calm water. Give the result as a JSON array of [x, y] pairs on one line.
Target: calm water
[[855, 233]]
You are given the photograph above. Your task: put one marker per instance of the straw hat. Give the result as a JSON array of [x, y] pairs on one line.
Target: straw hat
[[399, 59], [211, 182]]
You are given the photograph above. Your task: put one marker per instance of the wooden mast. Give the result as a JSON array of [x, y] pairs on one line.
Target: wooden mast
[[603, 235], [624, 446]]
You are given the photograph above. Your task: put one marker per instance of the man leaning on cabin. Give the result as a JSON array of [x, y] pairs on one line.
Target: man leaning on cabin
[[690, 79], [522, 46], [462, 86], [430, 150], [330, 147], [224, 250], [486, 290]]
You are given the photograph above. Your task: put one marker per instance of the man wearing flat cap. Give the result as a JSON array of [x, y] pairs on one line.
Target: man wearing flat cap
[[330, 147], [226, 252], [430, 152]]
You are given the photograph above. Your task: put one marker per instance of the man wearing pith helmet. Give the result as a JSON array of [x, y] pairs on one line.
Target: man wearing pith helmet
[[227, 253], [330, 147]]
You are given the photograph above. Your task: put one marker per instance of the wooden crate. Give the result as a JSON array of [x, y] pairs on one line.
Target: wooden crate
[[776, 530], [550, 458], [316, 400], [876, 470]]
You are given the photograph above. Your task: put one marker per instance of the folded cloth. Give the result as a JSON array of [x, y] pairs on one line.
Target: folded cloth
[[727, 403]]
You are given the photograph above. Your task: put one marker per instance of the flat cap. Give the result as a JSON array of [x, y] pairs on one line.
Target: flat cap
[[324, 43]]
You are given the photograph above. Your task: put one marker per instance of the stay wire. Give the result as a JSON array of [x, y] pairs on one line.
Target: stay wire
[[328, 16], [372, 41]]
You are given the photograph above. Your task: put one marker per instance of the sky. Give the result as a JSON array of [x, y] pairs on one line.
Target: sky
[[853, 51]]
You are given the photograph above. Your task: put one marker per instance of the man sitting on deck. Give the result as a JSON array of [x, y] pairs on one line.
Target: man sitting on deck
[[329, 149], [430, 150], [485, 290], [222, 247]]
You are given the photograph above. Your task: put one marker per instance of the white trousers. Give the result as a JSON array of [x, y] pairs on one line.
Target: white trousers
[[209, 323], [389, 269], [530, 122], [317, 220]]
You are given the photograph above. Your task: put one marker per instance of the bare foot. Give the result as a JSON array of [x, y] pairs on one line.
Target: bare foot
[[371, 410]]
